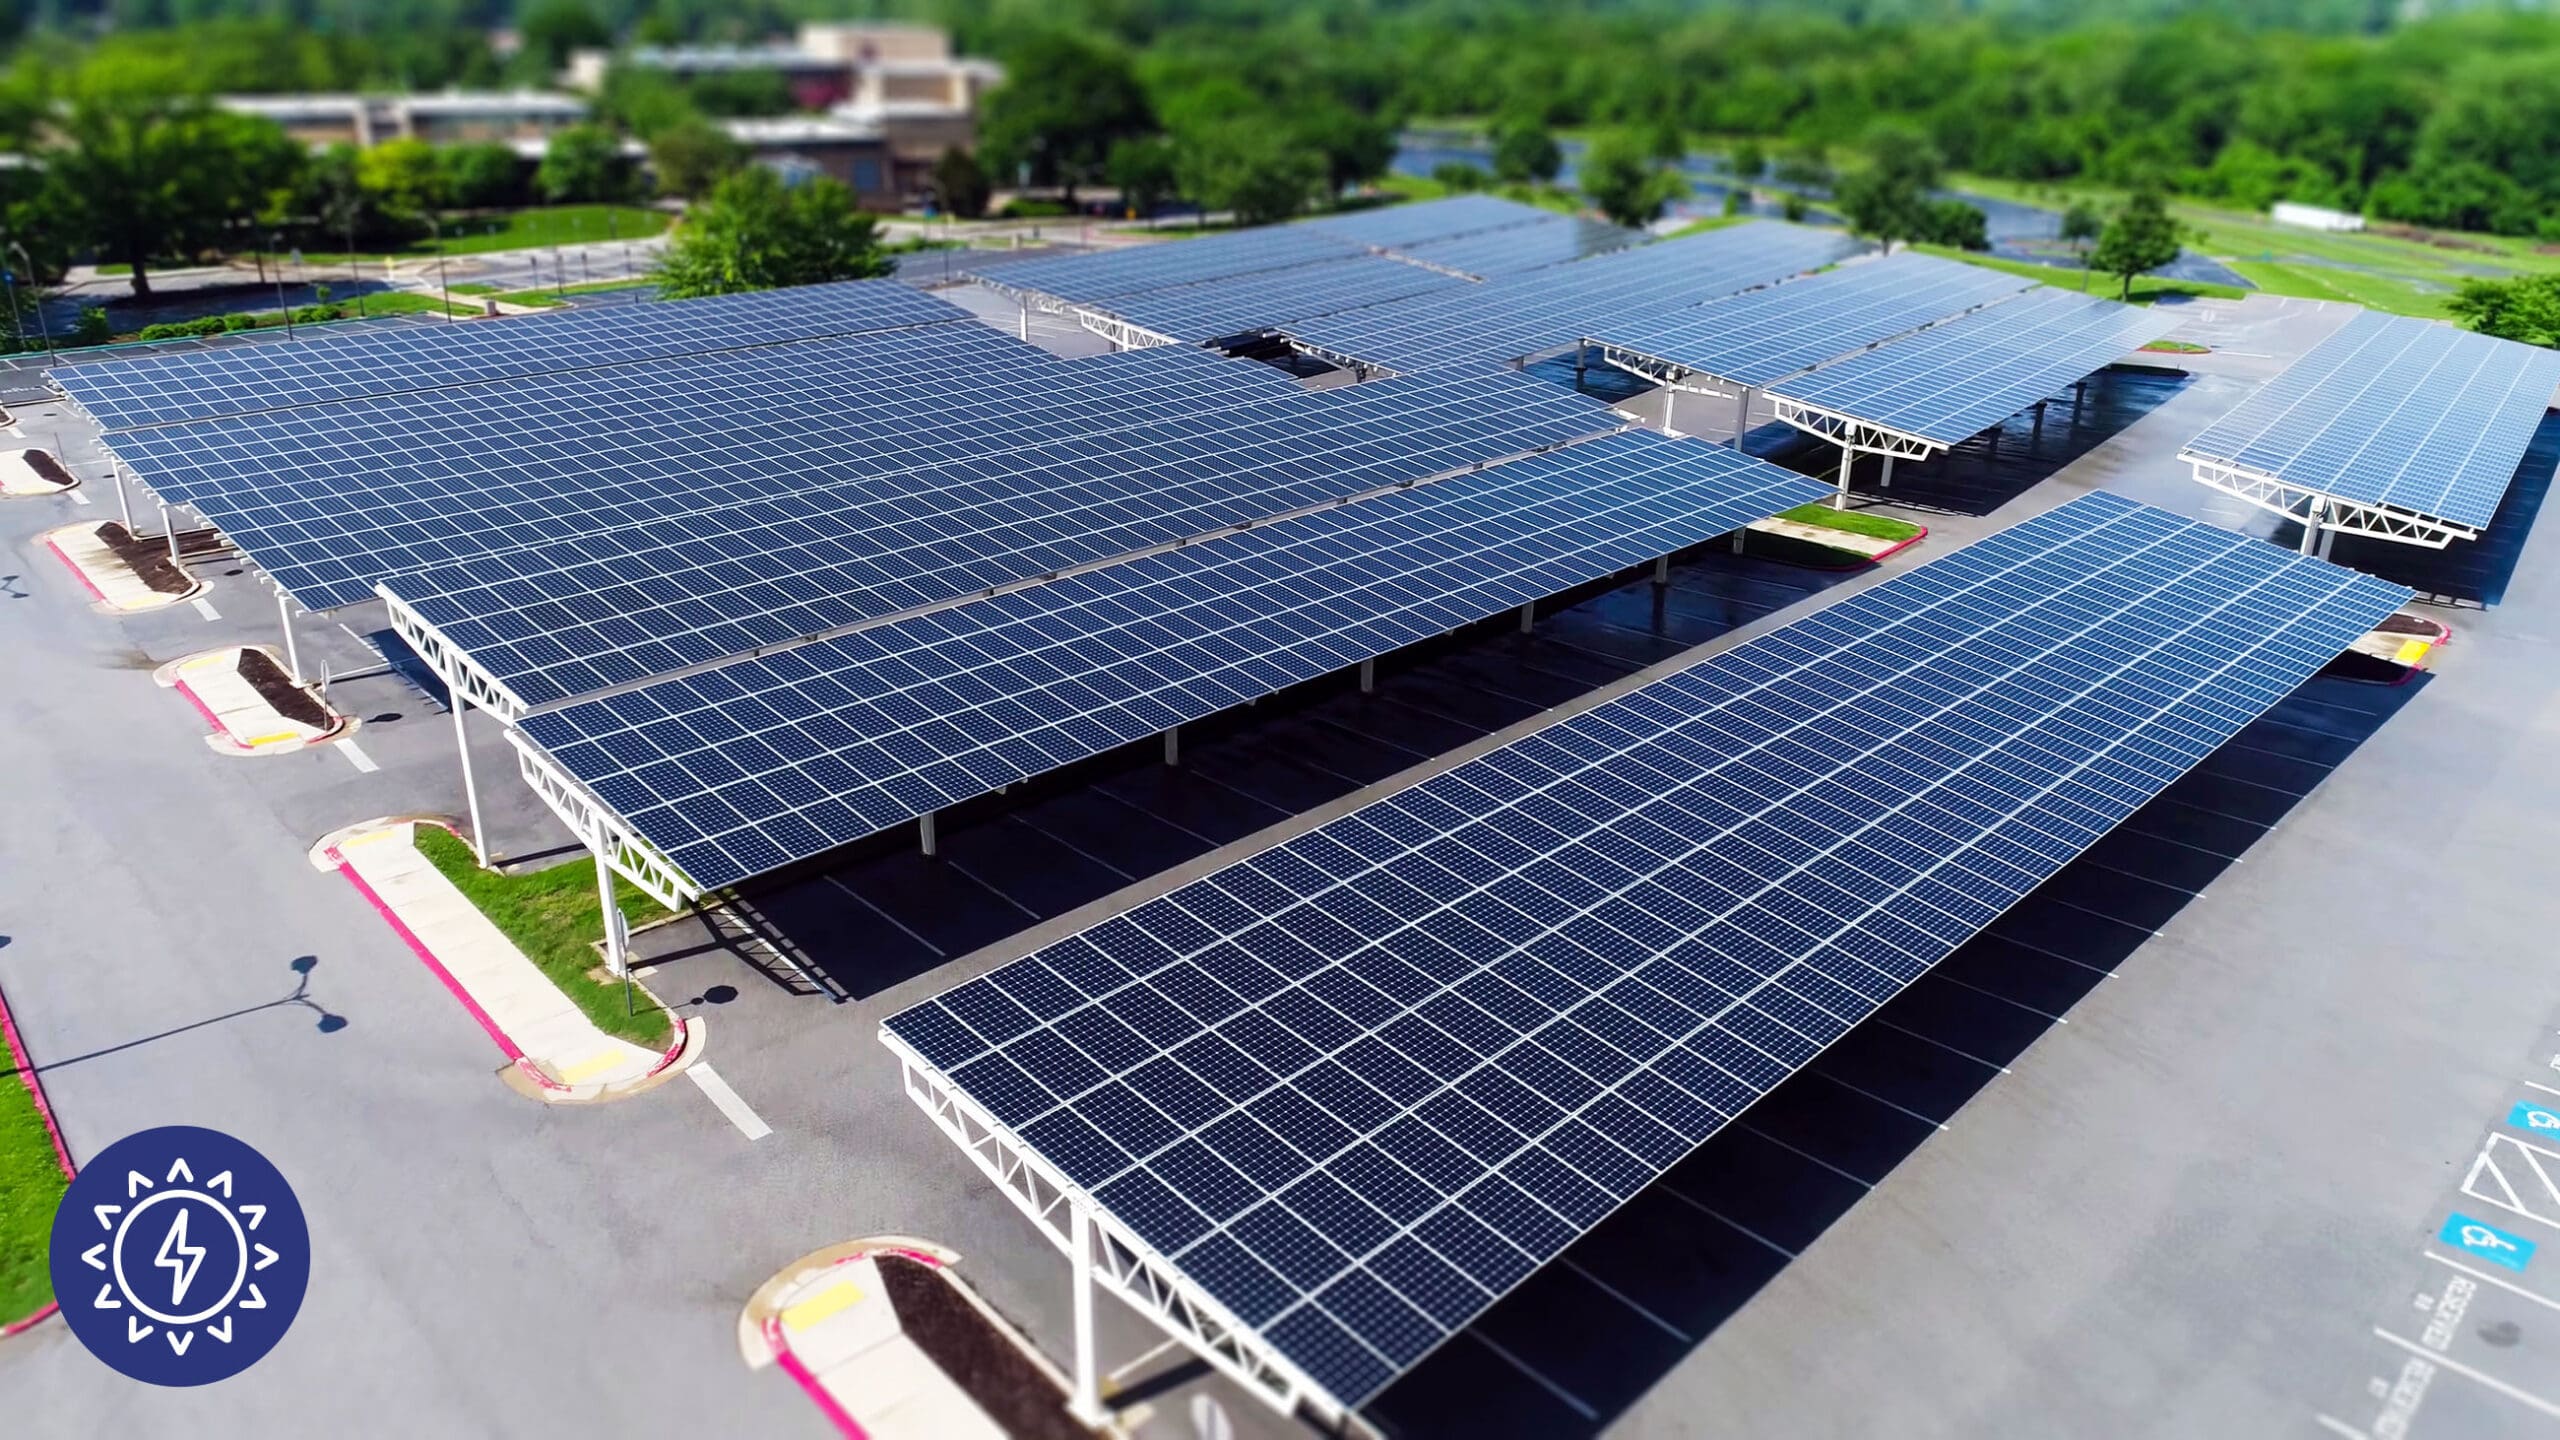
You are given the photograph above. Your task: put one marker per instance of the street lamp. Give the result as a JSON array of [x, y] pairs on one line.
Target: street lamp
[[436, 228], [275, 242]]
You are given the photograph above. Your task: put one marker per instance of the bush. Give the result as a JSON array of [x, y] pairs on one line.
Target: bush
[[1033, 210], [1461, 177], [93, 327], [201, 325]]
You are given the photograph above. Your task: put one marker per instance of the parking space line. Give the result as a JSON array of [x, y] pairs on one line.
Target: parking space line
[[729, 1103], [205, 608], [2521, 1397], [79, 497], [363, 762], [2544, 1301], [2336, 1426], [2545, 1089]]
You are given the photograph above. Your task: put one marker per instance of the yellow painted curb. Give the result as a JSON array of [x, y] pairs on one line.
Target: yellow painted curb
[[835, 1299]]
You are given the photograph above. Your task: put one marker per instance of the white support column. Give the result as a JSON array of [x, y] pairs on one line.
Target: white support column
[[284, 617], [617, 953], [924, 832], [1670, 399], [1173, 746], [1848, 457], [1085, 1401], [470, 787], [1528, 617], [2312, 515], [169, 528], [1368, 677], [1662, 570], [1026, 321], [1742, 417], [1885, 481], [1737, 539], [2328, 537], [124, 502]]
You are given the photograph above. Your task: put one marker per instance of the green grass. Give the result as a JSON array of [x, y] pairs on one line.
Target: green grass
[[1712, 222], [31, 1187], [2179, 347], [114, 267], [1423, 187], [526, 229], [550, 296], [392, 302], [1855, 522], [2146, 288], [553, 917]]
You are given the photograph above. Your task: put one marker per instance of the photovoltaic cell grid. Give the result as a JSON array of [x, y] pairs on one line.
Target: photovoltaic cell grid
[[173, 389], [328, 507], [1504, 320], [1215, 309], [2395, 411], [1952, 382], [1100, 275], [611, 607], [1358, 1086], [1766, 335], [1550, 240], [1185, 360], [1401, 227], [755, 765]]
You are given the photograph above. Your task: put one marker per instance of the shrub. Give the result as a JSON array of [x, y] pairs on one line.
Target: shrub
[[93, 327]]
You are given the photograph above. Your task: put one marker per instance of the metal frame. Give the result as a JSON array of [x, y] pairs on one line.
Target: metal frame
[[1121, 1263], [1353, 363], [1121, 332], [451, 662], [1851, 433], [2322, 511], [603, 832]]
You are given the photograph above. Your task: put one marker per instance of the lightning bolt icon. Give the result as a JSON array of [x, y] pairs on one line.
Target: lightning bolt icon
[[179, 1258]]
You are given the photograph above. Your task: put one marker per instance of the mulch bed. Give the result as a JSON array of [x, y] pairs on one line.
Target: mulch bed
[[277, 689], [150, 560], [46, 467], [1017, 1394], [2398, 624]]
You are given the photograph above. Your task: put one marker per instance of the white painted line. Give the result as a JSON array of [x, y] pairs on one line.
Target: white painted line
[[79, 496], [205, 608], [2521, 1397], [2544, 1301], [363, 762], [2340, 1427], [747, 1121], [2545, 1089]]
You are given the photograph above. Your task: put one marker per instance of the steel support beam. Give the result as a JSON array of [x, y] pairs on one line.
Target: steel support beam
[[470, 787], [1086, 1402], [2295, 502], [925, 836], [1368, 677], [292, 651], [1173, 746]]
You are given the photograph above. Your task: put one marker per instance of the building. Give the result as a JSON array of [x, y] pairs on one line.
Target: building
[[525, 119], [894, 98]]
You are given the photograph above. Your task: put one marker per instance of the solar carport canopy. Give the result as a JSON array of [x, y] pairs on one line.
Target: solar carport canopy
[[612, 606], [1953, 381], [755, 765], [1766, 335], [2395, 412], [1237, 304], [1549, 240], [249, 379], [1402, 227], [1102, 274], [1350, 1090], [329, 500]]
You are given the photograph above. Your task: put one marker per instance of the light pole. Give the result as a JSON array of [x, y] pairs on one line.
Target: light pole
[[44, 326], [275, 242], [444, 292]]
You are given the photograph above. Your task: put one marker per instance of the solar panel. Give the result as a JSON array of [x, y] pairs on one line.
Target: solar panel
[[1238, 304], [1954, 381], [608, 607], [330, 500], [1187, 361], [755, 765], [124, 394], [1504, 320], [2395, 411], [1552, 240], [1101, 274], [1356, 1087], [1398, 227], [1769, 334]]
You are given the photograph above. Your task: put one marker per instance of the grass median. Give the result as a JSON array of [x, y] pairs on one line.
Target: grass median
[[1854, 522], [553, 917], [31, 1185]]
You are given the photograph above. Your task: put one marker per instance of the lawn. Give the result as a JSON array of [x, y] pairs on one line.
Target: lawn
[[2146, 288], [1711, 222], [553, 917], [31, 1186], [528, 229], [550, 295], [1423, 187], [387, 302], [1855, 522]]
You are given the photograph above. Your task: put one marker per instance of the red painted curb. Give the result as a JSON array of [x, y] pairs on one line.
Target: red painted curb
[[1883, 555], [801, 1376], [50, 1309], [85, 582], [204, 710], [419, 947]]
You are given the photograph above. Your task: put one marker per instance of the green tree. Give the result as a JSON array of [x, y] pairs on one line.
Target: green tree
[[1355, 148], [1622, 180], [1888, 198], [1144, 167], [583, 162], [2526, 308], [405, 177], [755, 233], [1250, 168], [1746, 159], [2082, 224], [1460, 177], [1525, 153], [644, 101], [1666, 142], [693, 156], [550, 29], [1064, 103], [959, 185], [1805, 165], [481, 176], [2141, 237], [1953, 222]]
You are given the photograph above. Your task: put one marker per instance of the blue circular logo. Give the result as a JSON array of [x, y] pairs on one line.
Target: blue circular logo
[[180, 1256]]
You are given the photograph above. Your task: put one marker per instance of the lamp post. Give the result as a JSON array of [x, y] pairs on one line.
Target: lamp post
[[275, 242], [444, 292], [43, 326]]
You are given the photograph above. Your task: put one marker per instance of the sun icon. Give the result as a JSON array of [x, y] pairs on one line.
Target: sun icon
[[181, 1248], [171, 1278]]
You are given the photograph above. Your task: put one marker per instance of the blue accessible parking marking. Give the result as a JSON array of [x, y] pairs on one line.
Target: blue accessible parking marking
[[2529, 1116], [2486, 1241]]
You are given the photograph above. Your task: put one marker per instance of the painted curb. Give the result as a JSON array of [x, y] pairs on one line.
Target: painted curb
[[26, 1071]]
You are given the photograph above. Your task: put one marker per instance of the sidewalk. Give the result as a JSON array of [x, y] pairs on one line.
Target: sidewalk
[[554, 1050]]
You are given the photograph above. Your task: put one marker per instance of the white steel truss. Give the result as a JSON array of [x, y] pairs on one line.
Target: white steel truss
[[2302, 503], [1122, 1263], [451, 662], [602, 831], [1665, 373], [1121, 332], [1353, 363], [1851, 433]]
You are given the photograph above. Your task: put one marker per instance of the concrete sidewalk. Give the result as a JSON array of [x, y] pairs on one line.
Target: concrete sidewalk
[[244, 721], [556, 1052]]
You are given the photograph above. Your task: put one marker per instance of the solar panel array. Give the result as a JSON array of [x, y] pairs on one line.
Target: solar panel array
[[173, 389], [1185, 361], [1360, 1085], [1504, 320], [743, 769], [1956, 380], [1401, 227], [1552, 240], [607, 607], [1102, 274], [330, 501], [1238, 304], [2395, 411], [1769, 334]]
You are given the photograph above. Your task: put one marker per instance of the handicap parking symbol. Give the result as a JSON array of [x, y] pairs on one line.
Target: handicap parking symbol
[[2528, 1116], [2486, 1241]]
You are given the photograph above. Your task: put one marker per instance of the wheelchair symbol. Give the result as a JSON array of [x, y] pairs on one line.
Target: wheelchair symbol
[[2486, 1241]]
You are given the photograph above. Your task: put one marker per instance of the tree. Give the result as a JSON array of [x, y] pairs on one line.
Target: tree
[[583, 162], [481, 176], [755, 233], [2081, 225], [1248, 168], [1888, 199], [1953, 222], [1145, 169], [1746, 159], [692, 157], [2526, 308], [959, 185], [1524, 153], [1064, 103], [1805, 165], [405, 177], [551, 29], [2141, 237], [1666, 142], [1459, 177], [1354, 147], [1622, 180]]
